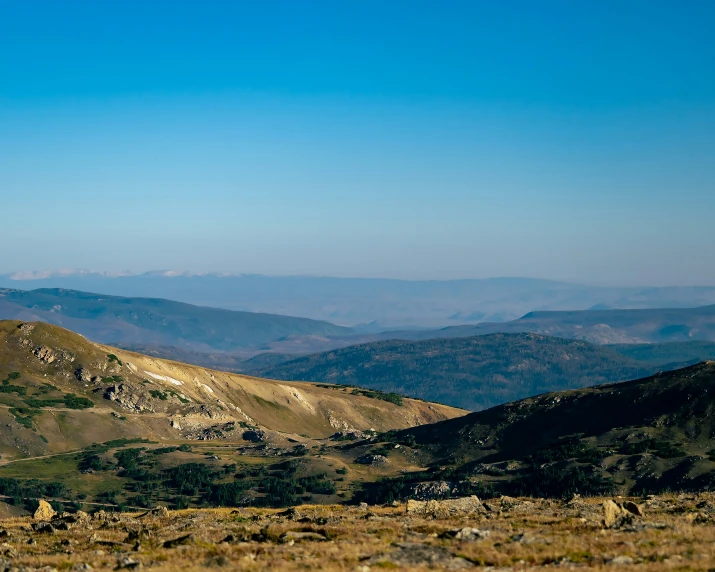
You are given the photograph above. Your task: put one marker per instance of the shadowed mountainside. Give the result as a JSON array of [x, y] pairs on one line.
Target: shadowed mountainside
[[650, 434]]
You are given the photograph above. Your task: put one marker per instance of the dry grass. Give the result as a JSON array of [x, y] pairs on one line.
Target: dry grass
[[676, 532]]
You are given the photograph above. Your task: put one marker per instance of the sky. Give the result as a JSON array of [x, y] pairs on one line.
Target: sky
[[569, 140]]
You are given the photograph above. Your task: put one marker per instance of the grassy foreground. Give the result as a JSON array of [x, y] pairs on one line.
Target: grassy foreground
[[674, 532]]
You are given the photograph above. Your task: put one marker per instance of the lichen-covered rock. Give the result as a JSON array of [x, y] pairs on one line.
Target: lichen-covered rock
[[44, 511]]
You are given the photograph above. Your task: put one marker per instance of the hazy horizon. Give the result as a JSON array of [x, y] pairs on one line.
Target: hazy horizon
[[40, 275]]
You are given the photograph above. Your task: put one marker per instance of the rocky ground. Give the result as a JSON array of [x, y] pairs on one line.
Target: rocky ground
[[663, 532]]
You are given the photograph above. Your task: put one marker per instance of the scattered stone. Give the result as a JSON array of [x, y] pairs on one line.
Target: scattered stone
[[410, 555], [44, 511]]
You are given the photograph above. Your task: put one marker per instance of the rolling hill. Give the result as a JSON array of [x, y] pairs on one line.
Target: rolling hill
[[480, 371], [60, 392], [153, 321], [643, 436]]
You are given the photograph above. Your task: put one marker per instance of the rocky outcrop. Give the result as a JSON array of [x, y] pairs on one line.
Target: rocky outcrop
[[129, 398], [446, 508], [616, 514], [44, 354]]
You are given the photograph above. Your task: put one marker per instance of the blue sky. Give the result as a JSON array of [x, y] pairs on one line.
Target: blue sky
[[558, 139]]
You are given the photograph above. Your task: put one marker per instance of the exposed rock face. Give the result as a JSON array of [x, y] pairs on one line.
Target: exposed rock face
[[129, 398], [44, 354], [446, 508], [26, 328], [44, 511], [200, 432], [81, 374]]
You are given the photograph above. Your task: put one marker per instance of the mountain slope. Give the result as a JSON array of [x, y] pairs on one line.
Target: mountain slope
[[650, 434], [148, 321], [472, 373], [59, 392]]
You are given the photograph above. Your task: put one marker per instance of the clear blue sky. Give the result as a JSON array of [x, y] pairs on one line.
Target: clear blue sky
[[558, 139]]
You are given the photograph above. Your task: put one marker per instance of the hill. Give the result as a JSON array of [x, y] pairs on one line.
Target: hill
[[154, 321], [476, 372], [60, 392], [647, 435]]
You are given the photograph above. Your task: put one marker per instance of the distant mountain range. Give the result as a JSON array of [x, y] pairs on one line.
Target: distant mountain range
[[225, 339], [372, 305], [481, 371], [152, 321]]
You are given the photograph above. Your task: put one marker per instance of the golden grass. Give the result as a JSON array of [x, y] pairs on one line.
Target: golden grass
[[676, 533]]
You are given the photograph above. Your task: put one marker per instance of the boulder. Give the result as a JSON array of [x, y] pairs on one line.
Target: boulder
[[615, 515], [633, 508], [44, 511]]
